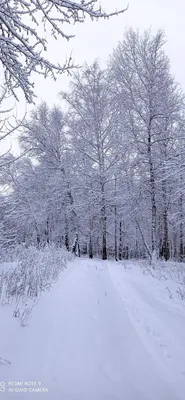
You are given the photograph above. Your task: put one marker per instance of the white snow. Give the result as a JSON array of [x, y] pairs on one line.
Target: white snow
[[104, 332]]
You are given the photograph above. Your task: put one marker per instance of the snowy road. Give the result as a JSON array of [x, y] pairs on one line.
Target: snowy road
[[103, 333]]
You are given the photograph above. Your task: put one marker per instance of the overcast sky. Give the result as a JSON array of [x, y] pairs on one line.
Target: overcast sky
[[97, 39]]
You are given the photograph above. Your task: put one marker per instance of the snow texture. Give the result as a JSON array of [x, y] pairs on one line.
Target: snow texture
[[106, 331]]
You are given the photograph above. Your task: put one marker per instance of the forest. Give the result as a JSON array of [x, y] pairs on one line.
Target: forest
[[92, 200], [102, 173]]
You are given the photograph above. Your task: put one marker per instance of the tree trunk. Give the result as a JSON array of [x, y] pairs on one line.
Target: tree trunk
[[90, 247], [104, 236], [144, 242], [120, 241], [104, 224], [165, 242], [115, 235], [47, 232], [38, 239], [153, 195], [115, 224], [66, 241], [181, 247], [75, 247], [137, 247]]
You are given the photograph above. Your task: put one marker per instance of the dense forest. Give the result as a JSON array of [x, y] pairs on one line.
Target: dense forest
[[103, 173]]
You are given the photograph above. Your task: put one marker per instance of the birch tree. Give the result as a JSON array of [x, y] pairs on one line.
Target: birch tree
[[93, 131], [107, 176], [146, 92], [44, 140]]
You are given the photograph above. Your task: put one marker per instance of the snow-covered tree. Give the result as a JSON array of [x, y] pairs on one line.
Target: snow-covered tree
[[93, 133], [105, 177], [151, 103], [44, 140], [23, 40]]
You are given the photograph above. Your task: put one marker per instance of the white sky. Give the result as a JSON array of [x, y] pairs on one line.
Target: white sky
[[97, 39]]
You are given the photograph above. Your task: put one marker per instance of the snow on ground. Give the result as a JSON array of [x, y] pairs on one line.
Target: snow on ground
[[104, 332], [158, 319]]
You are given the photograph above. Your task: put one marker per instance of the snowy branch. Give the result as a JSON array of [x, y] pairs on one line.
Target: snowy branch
[[21, 46]]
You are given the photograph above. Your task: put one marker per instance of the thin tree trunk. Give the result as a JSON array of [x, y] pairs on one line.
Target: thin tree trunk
[[115, 236], [137, 247], [75, 247], [104, 224], [38, 239], [120, 241], [90, 239], [144, 242], [153, 195], [66, 241], [181, 246], [115, 227], [104, 235], [47, 232], [90, 247], [165, 242]]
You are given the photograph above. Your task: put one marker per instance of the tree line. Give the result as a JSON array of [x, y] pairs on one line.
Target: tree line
[[103, 174]]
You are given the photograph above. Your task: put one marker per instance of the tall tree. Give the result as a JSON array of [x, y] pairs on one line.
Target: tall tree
[[145, 90], [93, 131]]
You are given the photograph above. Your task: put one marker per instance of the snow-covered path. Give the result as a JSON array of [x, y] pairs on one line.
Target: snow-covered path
[[101, 334]]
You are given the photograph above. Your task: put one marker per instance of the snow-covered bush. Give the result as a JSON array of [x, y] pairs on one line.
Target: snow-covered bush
[[171, 273], [34, 272]]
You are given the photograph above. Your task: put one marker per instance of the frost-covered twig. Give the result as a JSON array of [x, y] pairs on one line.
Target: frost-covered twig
[[4, 360], [22, 47], [170, 293]]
